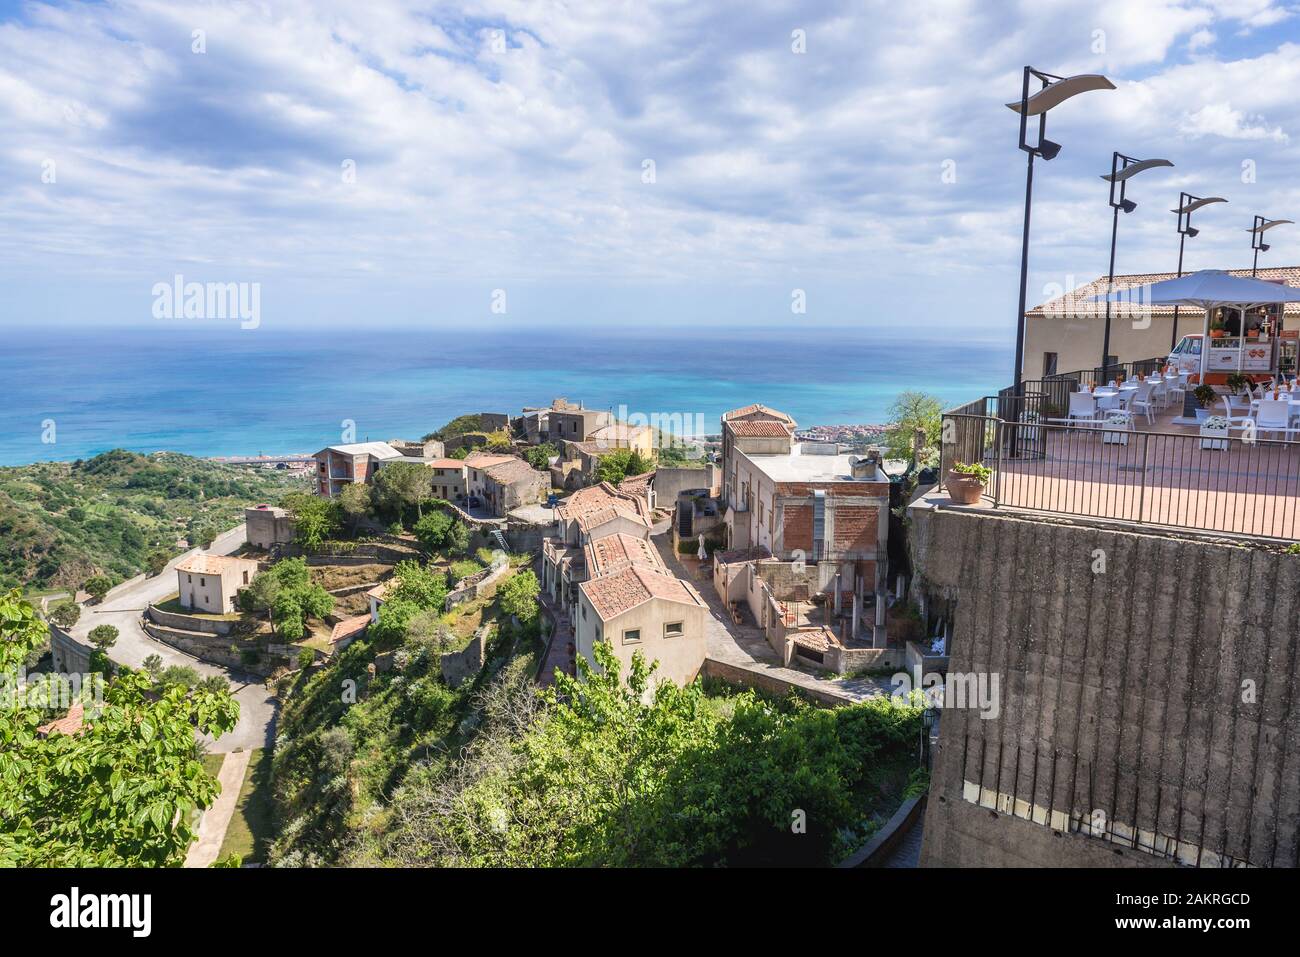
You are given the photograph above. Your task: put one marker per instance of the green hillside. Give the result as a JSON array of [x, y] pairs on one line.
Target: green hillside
[[61, 522]]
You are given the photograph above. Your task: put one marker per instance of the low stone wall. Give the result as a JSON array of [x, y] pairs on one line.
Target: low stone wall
[[214, 649], [461, 666], [207, 626], [762, 681], [477, 584], [883, 843], [70, 655], [844, 661]]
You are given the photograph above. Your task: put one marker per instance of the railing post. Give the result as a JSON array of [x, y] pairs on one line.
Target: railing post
[[1142, 485]]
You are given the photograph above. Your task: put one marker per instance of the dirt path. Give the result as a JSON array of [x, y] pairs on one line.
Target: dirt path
[[212, 829]]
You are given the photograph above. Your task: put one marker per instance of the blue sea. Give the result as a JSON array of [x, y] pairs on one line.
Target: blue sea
[[225, 391]]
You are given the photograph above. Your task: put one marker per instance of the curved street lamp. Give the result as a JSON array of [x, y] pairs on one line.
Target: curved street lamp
[[1122, 169], [1055, 90], [1257, 243], [1187, 204]]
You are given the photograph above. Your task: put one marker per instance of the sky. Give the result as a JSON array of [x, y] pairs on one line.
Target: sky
[[622, 164]]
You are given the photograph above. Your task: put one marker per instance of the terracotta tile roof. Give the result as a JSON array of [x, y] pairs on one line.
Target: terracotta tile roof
[[445, 463], [612, 595], [511, 471], [755, 409], [618, 552], [636, 484], [1074, 304], [760, 428], [379, 591], [213, 564], [349, 627], [820, 639], [485, 460], [597, 504], [751, 554], [71, 723]]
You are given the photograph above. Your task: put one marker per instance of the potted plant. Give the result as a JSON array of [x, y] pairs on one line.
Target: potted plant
[[1217, 330], [966, 482], [1214, 433], [1238, 383], [1205, 395]]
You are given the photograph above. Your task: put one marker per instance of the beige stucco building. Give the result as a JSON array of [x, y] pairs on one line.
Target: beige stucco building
[[635, 605], [1065, 334], [208, 583]]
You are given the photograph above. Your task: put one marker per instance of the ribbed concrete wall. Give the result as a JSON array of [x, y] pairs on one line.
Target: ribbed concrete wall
[[1121, 693]]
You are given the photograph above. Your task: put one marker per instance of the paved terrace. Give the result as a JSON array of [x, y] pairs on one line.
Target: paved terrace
[[1161, 476]]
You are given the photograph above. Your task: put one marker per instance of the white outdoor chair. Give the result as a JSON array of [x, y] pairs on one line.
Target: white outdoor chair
[[1158, 394], [1083, 405], [1274, 415], [1178, 387], [1142, 401], [1234, 421]]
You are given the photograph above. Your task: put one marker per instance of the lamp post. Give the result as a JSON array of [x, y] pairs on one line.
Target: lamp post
[[1054, 91], [927, 727], [1187, 204], [1122, 169], [1257, 238]]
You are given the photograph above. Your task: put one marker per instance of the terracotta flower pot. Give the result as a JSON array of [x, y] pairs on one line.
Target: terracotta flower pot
[[964, 489]]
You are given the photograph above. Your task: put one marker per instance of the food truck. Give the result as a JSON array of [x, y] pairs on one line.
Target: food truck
[[1246, 342]]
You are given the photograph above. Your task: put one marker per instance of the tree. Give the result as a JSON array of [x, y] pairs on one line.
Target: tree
[[97, 587], [518, 596], [157, 560], [354, 502], [617, 464], [457, 541], [399, 485], [909, 412], [286, 592], [153, 664], [432, 529], [460, 453], [118, 793], [539, 456], [65, 614], [424, 587], [315, 519], [103, 637]]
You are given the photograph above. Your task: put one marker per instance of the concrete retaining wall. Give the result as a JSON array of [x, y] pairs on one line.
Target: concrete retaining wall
[[1153, 701], [762, 681], [480, 583], [211, 648], [207, 626]]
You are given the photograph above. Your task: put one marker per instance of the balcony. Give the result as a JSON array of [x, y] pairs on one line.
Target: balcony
[[1159, 472]]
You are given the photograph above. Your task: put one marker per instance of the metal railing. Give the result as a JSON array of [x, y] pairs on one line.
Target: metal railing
[[1241, 485]]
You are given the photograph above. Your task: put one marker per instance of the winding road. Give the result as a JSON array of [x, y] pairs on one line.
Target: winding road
[[123, 607]]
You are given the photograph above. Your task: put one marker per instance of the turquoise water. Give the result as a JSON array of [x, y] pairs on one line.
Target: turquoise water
[[210, 391]]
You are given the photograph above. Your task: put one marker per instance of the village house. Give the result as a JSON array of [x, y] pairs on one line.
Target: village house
[[340, 465], [1065, 334], [807, 533], [637, 606], [209, 583], [570, 422], [504, 482], [268, 526], [448, 477], [604, 573], [423, 449], [620, 435], [587, 515]]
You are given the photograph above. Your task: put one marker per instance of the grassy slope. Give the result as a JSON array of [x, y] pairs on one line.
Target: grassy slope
[[60, 522]]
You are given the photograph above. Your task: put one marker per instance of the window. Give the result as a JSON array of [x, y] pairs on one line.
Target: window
[[631, 636], [1049, 363], [203, 582], [245, 578], [584, 612], [189, 579], [673, 629]]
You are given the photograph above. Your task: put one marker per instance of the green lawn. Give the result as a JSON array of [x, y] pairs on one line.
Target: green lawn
[[172, 604], [249, 834]]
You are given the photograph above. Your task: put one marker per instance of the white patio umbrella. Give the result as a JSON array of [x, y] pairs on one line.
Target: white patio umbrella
[[1208, 289]]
